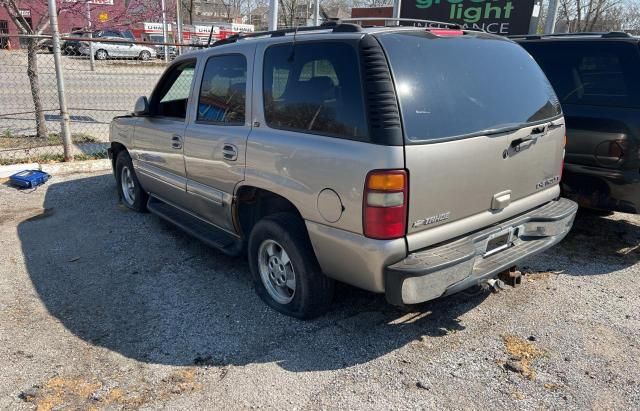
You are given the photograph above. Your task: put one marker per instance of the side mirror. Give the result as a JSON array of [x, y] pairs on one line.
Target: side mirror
[[142, 106]]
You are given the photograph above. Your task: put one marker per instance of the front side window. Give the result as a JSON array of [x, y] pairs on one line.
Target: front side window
[[172, 93], [314, 88], [223, 92]]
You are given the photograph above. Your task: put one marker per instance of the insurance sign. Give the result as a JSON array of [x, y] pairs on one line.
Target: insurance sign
[[503, 17]]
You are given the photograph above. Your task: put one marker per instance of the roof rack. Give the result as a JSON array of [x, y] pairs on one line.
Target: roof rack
[[611, 34], [330, 25]]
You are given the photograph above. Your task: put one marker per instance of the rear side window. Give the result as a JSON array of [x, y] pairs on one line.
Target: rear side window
[[591, 73], [314, 88], [465, 85], [223, 91]]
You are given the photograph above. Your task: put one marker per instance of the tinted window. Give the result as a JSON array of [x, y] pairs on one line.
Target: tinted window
[[603, 74], [172, 93], [314, 88], [457, 86], [223, 90]]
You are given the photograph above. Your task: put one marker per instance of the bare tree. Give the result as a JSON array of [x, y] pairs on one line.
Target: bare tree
[[588, 15], [32, 57], [232, 8], [187, 5]]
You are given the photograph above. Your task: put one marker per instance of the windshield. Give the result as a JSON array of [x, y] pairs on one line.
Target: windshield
[[465, 85]]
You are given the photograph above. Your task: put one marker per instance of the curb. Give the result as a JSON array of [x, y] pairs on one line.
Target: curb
[[71, 167], [87, 166]]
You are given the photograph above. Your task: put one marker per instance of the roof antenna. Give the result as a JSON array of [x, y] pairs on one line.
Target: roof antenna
[[210, 35], [293, 49]]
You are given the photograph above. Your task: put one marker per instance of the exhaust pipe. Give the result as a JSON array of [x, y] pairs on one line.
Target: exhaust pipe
[[493, 284]]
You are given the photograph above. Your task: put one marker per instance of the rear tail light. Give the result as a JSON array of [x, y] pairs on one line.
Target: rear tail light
[[564, 149], [385, 204]]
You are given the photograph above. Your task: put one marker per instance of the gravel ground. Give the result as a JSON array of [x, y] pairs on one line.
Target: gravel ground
[[102, 307]]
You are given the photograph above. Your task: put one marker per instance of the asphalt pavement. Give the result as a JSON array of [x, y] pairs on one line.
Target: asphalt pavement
[[101, 307]]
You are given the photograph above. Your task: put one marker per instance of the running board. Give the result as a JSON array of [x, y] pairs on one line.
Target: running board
[[200, 229]]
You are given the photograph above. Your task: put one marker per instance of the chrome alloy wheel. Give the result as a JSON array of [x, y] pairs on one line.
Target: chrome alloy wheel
[[276, 271], [128, 186]]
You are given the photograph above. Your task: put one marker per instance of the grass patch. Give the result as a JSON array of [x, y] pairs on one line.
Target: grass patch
[[8, 140], [50, 158]]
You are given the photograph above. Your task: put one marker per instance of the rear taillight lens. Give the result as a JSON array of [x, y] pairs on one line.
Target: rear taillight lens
[[446, 32], [385, 204], [564, 149]]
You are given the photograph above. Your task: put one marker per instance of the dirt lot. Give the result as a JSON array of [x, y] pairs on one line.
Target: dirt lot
[[101, 307]]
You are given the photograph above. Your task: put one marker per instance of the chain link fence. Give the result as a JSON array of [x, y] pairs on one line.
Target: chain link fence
[[96, 90]]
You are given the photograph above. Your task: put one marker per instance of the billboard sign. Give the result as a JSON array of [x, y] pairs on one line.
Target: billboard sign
[[505, 17]]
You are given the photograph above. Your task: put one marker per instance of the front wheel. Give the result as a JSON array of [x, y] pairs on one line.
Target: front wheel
[[101, 54], [285, 271], [129, 189], [145, 55]]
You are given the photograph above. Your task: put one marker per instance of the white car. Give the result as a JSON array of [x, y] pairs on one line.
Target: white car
[[117, 49]]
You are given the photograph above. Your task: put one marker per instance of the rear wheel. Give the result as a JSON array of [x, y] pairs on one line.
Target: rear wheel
[[102, 54], [129, 189], [145, 55], [285, 271]]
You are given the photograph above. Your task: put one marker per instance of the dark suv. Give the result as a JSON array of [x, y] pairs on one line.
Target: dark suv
[[596, 78]]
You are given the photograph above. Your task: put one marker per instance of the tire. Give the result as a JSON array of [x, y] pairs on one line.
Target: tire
[[312, 293], [144, 55], [101, 54], [129, 189]]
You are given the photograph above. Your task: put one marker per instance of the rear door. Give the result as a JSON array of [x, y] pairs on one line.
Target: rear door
[[215, 140], [483, 129]]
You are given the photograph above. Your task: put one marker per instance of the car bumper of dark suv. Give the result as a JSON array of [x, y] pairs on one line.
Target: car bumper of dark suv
[[454, 266], [602, 189]]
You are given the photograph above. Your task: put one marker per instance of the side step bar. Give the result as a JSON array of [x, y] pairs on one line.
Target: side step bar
[[198, 228]]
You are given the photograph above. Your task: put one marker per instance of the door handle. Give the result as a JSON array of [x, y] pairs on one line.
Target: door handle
[[229, 152], [176, 142]]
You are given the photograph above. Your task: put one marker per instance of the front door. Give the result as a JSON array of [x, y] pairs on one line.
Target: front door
[[216, 136], [159, 137]]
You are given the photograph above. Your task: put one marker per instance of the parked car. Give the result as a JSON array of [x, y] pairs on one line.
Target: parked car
[[117, 49], [71, 47], [373, 156], [596, 78]]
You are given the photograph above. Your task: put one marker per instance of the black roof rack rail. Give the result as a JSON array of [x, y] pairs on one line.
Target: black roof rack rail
[[329, 25], [611, 34], [336, 26]]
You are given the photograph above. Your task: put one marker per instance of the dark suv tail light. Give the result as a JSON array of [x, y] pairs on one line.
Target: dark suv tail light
[[385, 204]]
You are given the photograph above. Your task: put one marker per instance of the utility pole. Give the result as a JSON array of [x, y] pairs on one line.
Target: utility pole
[[316, 14], [397, 4], [164, 31], [273, 15], [92, 62], [64, 114], [179, 25], [552, 15]]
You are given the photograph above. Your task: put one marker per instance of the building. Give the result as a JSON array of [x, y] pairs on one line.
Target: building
[[199, 11], [73, 15], [372, 12]]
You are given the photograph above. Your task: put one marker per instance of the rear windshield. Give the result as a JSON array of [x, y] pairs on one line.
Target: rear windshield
[[591, 73], [465, 85]]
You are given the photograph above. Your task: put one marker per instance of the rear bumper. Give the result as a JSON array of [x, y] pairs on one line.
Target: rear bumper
[[601, 188], [454, 266]]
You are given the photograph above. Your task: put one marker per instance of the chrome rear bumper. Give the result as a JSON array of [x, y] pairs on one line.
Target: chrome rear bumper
[[454, 266]]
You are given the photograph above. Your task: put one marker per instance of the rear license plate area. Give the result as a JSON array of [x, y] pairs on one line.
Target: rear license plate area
[[499, 241]]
